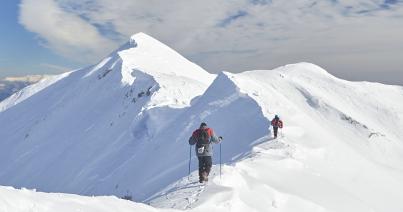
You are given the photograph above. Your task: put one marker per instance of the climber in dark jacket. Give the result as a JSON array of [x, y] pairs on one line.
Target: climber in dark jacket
[[203, 138]]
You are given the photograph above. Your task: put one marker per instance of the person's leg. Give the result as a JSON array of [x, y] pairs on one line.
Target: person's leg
[[275, 129], [208, 164], [201, 168]]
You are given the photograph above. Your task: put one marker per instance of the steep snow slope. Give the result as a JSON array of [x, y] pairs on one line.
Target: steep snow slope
[[92, 131]]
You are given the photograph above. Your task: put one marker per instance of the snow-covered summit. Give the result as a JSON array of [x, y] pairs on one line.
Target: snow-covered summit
[[150, 56], [164, 59]]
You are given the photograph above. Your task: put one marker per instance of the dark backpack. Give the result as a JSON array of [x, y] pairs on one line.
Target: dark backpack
[[203, 137]]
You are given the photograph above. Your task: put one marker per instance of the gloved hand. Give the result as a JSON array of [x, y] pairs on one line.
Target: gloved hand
[[220, 138]]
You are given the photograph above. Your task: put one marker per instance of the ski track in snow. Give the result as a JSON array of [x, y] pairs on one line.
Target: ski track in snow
[[185, 193]]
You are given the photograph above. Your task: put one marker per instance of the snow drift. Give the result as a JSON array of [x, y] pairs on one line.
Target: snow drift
[[121, 127]]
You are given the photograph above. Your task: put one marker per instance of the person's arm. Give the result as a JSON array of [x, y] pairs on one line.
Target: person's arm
[[214, 138], [192, 139]]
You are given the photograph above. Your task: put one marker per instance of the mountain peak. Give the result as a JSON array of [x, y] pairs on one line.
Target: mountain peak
[[142, 37], [151, 56], [143, 53]]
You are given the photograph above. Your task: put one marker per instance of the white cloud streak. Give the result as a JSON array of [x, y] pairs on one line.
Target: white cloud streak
[[342, 35]]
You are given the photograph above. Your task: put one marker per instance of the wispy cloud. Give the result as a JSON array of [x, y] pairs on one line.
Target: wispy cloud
[[64, 32], [273, 32]]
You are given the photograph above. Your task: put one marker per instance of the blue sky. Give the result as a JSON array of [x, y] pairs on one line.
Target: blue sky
[[352, 39], [21, 51]]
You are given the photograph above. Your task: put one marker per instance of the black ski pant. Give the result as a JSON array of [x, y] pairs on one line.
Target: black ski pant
[[275, 129], [205, 163]]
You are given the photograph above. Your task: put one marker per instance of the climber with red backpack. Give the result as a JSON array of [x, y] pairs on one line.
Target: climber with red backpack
[[203, 138], [276, 123]]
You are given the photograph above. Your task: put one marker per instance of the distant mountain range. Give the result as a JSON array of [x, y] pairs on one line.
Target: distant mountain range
[[10, 85]]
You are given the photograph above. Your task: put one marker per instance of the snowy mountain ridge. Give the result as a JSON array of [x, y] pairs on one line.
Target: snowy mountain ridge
[[121, 127]]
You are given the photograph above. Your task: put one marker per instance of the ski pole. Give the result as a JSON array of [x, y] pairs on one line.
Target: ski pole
[[220, 161], [190, 160]]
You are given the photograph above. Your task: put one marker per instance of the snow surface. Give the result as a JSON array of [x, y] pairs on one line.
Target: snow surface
[[121, 127]]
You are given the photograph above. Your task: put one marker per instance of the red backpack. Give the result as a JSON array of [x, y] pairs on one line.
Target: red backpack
[[203, 136], [277, 123]]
